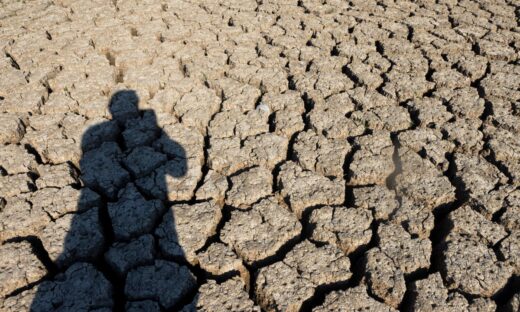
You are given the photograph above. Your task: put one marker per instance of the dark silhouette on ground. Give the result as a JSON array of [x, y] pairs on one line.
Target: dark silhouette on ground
[[116, 156]]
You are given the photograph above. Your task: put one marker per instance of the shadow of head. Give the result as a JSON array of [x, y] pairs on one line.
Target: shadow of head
[[124, 105], [140, 131]]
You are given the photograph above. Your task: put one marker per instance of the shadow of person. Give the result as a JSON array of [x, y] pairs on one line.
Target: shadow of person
[[105, 251]]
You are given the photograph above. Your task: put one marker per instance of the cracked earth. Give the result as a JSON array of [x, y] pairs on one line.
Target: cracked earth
[[283, 155]]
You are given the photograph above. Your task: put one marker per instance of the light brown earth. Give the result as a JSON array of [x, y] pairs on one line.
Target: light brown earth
[[335, 155]]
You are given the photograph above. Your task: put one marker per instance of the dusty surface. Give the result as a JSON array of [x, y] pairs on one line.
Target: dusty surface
[[283, 155]]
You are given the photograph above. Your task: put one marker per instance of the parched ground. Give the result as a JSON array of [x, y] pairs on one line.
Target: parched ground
[[329, 155]]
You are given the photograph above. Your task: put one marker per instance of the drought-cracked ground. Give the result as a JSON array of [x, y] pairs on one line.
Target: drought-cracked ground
[[260, 155]]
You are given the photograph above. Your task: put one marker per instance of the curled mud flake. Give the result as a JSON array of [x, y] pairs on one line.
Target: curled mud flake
[[305, 189], [373, 163], [93, 292], [287, 284], [249, 186], [355, 298], [230, 295], [346, 228], [473, 267], [179, 237], [19, 267], [73, 238], [164, 281], [249, 232]]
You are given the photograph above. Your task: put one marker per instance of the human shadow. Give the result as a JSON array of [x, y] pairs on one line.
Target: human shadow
[[109, 251]]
